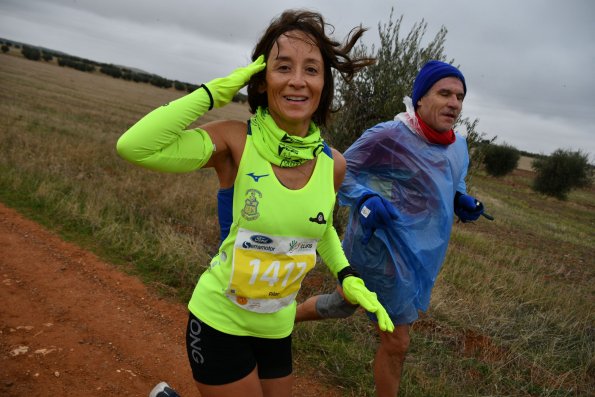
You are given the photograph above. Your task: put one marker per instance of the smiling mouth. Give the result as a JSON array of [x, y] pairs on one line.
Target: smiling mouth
[[296, 98]]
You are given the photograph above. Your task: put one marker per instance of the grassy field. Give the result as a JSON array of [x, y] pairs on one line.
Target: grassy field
[[512, 312]]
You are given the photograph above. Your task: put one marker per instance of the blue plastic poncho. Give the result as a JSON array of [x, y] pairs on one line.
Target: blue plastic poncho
[[420, 179]]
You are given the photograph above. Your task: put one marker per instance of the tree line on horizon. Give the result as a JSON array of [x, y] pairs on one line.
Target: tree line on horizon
[[36, 53]]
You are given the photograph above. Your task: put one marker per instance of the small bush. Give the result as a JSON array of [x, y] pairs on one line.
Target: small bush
[[500, 160], [161, 82], [111, 70], [140, 77], [76, 64], [191, 87], [5, 48], [31, 53], [561, 172], [179, 85]]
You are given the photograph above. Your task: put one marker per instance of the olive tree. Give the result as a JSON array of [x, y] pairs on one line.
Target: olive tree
[[561, 172]]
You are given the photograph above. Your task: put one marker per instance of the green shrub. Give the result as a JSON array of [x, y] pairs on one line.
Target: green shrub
[[140, 77], [179, 85], [5, 48], [111, 70], [561, 172], [191, 87], [161, 82], [31, 53], [76, 64], [500, 160]]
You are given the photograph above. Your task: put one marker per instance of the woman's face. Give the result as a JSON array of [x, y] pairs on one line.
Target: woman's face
[[294, 81]]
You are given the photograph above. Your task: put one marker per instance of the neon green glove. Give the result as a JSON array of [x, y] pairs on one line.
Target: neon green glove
[[356, 292], [223, 89]]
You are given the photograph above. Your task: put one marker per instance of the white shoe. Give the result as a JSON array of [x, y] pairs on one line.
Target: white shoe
[[163, 390]]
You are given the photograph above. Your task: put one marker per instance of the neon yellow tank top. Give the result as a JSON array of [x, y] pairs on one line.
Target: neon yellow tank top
[[251, 284]]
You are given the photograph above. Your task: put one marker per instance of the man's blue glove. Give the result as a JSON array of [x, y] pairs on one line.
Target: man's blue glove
[[467, 208], [375, 213]]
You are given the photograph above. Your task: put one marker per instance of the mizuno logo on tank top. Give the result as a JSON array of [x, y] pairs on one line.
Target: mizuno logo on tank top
[[256, 177]]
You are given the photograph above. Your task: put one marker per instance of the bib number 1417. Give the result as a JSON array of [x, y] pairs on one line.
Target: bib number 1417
[[271, 274]]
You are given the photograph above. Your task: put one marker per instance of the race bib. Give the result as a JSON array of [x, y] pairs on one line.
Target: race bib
[[267, 271]]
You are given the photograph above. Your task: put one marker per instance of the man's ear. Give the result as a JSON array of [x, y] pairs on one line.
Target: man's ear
[[262, 87], [418, 104]]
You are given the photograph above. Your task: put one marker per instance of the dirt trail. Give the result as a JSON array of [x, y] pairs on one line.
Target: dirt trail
[[73, 325]]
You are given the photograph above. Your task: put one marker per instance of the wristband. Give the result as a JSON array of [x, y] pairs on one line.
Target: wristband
[[210, 95], [347, 271]]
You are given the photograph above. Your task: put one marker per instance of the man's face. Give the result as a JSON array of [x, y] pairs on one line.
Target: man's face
[[442, 104]]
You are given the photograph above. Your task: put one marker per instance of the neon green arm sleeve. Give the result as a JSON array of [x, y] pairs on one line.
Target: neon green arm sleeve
[[160, 141], [331, 251]]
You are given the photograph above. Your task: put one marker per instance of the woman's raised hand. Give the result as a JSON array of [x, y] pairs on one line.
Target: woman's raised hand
[[223, 89]]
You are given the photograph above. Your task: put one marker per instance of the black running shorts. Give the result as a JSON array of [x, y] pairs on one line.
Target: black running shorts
[[217, 358]]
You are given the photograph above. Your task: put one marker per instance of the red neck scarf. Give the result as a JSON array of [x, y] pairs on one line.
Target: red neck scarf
[[433, 136]]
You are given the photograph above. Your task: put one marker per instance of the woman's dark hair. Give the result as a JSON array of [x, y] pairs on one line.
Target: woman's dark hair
[[335, 55]]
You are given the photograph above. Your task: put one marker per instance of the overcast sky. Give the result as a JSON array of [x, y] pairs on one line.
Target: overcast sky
[[529, 64]]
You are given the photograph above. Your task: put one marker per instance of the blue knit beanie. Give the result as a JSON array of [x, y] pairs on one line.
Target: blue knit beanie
[[429, 74]]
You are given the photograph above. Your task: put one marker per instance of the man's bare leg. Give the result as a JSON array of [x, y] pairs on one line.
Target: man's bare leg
[[388, 363]]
